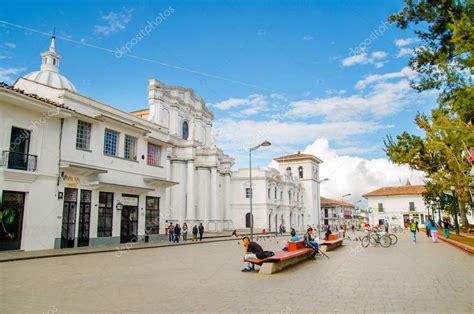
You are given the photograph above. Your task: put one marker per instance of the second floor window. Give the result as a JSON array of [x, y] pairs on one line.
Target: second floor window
[[300, 172], [380, 206], [185, 130], [269, 193], [130, 151], [412, 206], [83, 136], [110, 142], [248, 191], [153, 155]]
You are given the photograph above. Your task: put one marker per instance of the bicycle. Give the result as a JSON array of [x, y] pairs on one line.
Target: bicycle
[[375, 238]]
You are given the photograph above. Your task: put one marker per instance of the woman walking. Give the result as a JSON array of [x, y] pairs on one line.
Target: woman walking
[[185, 232], [446, 226], [201, 231], [195, 233], [177, 233], [433, 230]]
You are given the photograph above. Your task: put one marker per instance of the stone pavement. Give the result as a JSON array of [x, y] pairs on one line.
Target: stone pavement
[[422, 277]]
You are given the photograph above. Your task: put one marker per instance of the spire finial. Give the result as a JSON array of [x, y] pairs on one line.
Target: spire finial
[[52, 47]]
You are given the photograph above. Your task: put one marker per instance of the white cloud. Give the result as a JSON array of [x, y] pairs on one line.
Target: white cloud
[[404, 52], [384, 98], [236, 136], [405, 41], [114, 22], [10, 74], [355, 175], [406, 72], [375, 58], [252, 104], [10, 45], [308, 37]]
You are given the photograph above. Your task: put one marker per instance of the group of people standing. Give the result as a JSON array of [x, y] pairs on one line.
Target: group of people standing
[[431, 229], [176, 231]]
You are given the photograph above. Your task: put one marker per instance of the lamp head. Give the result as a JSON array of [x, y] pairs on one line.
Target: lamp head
[[265, 144]]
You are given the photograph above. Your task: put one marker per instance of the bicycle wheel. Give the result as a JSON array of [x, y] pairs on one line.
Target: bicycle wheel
[[393, 239], [374, 239], [365, 241], [385, 241]]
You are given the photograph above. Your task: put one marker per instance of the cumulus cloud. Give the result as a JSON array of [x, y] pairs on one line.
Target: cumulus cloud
[[8, 75], [114, 22], [375, 58], [404, 52], [355, 175], [307, 37], [405, 41], [384, 97], [250, 105]]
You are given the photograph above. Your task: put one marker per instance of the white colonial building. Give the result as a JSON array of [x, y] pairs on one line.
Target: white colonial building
[[336, 213], [76, 171], [396, 204], [288, 196]]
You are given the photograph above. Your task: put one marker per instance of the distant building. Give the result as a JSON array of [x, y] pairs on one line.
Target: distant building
[[397, 204], [288, 196], [337, 213]]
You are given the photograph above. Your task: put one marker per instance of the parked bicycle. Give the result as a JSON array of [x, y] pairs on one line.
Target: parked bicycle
[[374, 238]]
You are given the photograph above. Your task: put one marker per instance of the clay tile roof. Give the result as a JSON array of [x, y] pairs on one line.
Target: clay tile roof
[[330, 202], [45, 100], [298, 156], [397, 190]]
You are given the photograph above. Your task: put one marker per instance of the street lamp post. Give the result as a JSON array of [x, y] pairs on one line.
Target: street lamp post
[[319, 209], [342, 206], [455, 205], [438, 208], [264, 144]]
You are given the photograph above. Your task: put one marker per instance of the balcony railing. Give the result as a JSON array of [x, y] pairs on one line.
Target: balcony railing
[[18, 161]]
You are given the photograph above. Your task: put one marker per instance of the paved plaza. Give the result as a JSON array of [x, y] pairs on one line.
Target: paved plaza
[[422, 277]]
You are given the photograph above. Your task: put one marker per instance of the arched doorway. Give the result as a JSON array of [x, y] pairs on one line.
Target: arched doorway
[[248, 223]]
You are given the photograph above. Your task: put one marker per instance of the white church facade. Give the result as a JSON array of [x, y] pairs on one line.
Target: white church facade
[[75, 171], [288, 196]]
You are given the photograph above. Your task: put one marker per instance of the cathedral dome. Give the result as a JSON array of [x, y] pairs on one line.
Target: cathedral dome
[[51, 78], [49, 72]]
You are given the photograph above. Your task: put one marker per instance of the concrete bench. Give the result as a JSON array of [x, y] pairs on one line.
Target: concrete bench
[[283, 259], [333, 242]]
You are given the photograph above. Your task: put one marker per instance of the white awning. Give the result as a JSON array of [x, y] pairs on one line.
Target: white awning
[[82, 170], [132, 188], [159, 182]]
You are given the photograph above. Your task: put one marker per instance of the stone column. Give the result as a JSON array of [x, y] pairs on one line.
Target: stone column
[[227, 213], [213, 202], [191, 209]]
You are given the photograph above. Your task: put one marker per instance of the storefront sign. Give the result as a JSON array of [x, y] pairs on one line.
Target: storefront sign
[[129, 201]]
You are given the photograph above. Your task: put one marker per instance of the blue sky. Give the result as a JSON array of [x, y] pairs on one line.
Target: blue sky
[[281, 71]]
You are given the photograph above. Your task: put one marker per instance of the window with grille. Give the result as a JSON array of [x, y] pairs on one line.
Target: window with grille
[[83, 136], [153, 155], [412, 206], [104, 223], [380, 206], [130, 150], [110, 142], [152, 215], [248, 191]]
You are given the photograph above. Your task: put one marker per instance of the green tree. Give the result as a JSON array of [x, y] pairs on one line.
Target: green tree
[[443, 61]]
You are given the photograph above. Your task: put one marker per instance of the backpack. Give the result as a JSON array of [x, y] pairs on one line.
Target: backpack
[[265, 254]]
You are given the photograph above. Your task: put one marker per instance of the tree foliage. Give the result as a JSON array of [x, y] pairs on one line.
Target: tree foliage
[[444, 61]]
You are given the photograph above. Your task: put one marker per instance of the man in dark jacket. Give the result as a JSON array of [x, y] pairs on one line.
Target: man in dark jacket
[[310, 243], [252, 250]]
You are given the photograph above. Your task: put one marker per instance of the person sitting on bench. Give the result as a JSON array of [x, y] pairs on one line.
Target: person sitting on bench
[[294, 236], [252, 250], [309, 242], [327, 233]]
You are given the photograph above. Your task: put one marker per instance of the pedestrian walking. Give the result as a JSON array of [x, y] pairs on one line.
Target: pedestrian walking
[[171, 232], [427, 227], [386, 225], [417, 229], [433, 231], [185, 232], [201, 231], [195, 233], [413, 227], [446, 226], [177, 233]]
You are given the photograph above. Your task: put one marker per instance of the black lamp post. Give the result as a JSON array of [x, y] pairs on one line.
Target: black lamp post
[[438, 208], [264, 144], [455, 205]]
